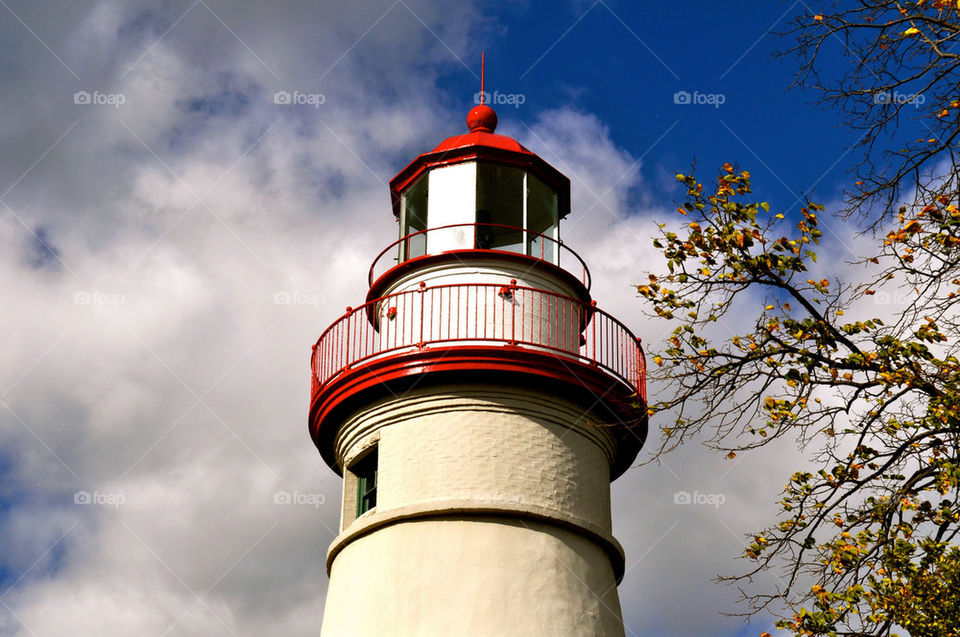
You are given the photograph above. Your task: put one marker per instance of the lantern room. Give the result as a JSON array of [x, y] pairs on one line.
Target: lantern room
[[480, 191]]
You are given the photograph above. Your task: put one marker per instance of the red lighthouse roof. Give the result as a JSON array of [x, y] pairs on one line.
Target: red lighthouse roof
[[482, 144], [481, 122]]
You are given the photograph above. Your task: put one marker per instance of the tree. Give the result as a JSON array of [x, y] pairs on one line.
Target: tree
[[869, 540], [902, 73]]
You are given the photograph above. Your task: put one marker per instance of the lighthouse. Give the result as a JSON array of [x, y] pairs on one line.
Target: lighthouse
[[477, 405]]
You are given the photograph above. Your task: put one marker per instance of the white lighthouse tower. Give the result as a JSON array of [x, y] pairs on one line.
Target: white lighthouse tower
[[477, 405]]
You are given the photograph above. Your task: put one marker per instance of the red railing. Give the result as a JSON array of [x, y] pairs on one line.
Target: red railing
[[480, 314], [547, 249]]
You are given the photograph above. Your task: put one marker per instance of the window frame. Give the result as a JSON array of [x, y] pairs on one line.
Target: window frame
[[554, 234], [423, 181], [366, 469], [496, 234]]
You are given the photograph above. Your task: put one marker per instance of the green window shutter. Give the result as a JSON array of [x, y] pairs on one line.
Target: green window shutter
[[366, 472]]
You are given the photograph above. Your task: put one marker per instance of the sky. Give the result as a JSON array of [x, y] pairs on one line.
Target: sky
[[157, 204]]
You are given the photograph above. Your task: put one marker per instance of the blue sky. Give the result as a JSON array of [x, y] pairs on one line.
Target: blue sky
[[625, 61], [144, 245]]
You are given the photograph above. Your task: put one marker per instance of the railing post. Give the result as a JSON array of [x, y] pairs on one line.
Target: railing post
[[641, 372], [592, 317], [513, 316], [423, 287], [346, 339]]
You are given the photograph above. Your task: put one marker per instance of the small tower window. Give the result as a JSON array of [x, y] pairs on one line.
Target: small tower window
[[366, 471]]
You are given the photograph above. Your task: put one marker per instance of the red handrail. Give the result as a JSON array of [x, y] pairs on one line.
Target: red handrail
[[560, 247], [477, 313]]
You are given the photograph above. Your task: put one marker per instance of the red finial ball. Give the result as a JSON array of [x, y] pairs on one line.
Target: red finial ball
[[481, 118]]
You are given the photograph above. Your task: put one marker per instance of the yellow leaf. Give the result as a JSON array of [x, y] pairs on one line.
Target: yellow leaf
[[731, 455], [658, 360], [769, 307], [911, 31]]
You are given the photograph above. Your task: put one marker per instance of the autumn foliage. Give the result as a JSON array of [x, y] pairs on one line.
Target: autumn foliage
[[867, 542]]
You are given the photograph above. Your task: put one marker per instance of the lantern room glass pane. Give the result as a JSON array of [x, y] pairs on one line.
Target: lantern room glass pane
[[541, 220], [413, 218], [500, 195], [452, 207]]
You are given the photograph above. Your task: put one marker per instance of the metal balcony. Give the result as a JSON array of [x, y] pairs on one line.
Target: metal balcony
[[563, 330]]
